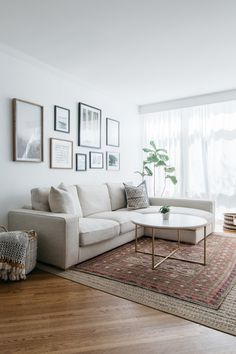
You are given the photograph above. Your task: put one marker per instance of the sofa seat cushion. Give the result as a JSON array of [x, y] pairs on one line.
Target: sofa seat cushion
[[96, 230], [123, 217]]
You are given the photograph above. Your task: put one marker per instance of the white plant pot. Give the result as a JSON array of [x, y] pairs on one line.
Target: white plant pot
[[166, 216]]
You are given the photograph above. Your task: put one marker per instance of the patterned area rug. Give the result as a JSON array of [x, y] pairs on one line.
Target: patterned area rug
[[223, 318], [204, 285]]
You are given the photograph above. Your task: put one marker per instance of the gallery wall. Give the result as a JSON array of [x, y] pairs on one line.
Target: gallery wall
[[24, 78]]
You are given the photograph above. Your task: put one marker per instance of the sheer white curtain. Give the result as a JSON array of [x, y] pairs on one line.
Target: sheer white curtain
[[201, 142]]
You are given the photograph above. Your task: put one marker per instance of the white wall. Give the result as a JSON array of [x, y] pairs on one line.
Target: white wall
[[29, 80]]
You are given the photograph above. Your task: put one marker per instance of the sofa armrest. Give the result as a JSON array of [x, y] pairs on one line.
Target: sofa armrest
[[58, 235], [207, 205]]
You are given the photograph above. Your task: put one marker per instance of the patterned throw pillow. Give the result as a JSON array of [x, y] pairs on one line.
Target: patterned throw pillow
[[137, 197]]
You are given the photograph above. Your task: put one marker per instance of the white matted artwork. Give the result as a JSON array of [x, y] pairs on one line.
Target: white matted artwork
[[89, 126], [27, 131], [61, 119], [81, 162], [61, 153], [113, 161], [112, 132], [95, 159]]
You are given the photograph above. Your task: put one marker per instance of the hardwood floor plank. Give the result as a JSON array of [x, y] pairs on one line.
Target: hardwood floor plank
[[48, 314]]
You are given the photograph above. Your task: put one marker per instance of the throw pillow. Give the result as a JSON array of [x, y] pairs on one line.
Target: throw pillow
[[61, 201], [74, 194], [137, 197], [39, 199]]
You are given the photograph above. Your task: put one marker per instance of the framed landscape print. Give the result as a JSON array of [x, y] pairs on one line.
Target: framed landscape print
[[27, 131], [112, 132], [89, 126], [95, 159], [61, 153], [61, 119], [113, 161], [81, 162]]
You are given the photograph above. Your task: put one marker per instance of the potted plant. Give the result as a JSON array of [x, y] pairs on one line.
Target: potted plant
[[165, 211], [157, 158]]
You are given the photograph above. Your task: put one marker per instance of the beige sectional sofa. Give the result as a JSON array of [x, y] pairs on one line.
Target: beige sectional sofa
[[103, 222]]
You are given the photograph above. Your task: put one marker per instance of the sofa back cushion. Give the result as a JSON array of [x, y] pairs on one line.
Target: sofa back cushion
[[74, 194], [93, 199], [117, 195], [39, 199]]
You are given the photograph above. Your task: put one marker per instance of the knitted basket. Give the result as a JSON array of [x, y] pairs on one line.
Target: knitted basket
[[31, 252]]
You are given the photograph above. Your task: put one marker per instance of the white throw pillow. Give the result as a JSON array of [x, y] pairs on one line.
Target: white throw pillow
[[74, 194], [61, 201], [39, 199]]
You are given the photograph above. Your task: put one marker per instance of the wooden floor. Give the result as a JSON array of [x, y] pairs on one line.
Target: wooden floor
[[48, 314]]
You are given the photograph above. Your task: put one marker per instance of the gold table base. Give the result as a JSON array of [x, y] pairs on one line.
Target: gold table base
[[153, 254]]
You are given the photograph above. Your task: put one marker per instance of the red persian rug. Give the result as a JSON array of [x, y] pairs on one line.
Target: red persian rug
[[203, 285]]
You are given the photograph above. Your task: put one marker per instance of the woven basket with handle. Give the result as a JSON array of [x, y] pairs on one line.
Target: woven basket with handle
[[31, 252]]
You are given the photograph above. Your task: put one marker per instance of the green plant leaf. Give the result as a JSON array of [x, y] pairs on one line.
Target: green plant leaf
[[169, 169], [163, 157], [149, 172], [172, 178], [152, 159], [147, 150], [152, 143], [160, 163]]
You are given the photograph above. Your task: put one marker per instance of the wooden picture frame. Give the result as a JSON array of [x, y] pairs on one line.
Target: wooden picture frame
[[27, 131], [96, 160], [112, 132], [61, 119], [61, 154], [113, 161], [90, 122], [81, 162]]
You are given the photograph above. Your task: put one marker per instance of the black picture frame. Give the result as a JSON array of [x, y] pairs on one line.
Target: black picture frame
[[77, 165], [61, 117], [113, 160], [112, 132], [94, 165], [28, 128], [89, 134]]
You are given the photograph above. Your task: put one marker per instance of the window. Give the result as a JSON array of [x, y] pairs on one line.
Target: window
[[201, 142]]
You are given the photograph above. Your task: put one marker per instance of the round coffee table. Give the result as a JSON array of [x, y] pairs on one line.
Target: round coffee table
[[176, 221]]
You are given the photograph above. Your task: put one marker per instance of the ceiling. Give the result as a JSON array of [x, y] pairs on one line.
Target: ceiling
[[142, 51]]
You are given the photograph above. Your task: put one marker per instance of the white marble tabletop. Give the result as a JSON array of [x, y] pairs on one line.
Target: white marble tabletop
[[176, 221]]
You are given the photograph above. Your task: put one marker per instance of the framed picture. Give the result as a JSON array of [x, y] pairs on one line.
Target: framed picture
[[89, 126], [61, 153], [27, 131], [112, 132], [81, 162], [61, 119], [95, 159], [113, 161]]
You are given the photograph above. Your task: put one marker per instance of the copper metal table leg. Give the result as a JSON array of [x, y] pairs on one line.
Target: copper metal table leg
[[205, 245], [153, 248]]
